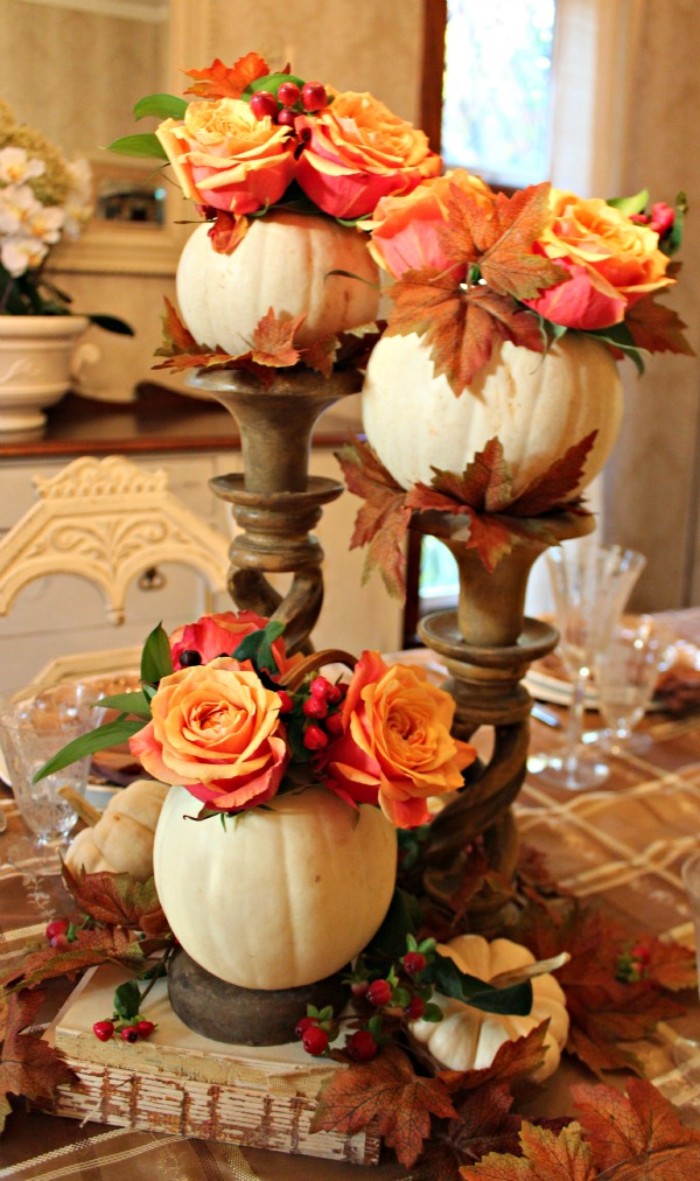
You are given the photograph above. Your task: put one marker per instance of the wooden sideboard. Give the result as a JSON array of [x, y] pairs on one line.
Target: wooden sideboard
[[192, 439]]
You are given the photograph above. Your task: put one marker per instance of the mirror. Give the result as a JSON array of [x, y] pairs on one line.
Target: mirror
[[73, 69]]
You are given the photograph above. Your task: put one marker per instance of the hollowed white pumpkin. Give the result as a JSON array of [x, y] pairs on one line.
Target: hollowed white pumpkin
[[537, 404], [283, 262], [281, 896], [122, 839], [469, 1039]]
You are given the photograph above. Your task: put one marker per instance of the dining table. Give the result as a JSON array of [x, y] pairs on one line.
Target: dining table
[[619, 846]]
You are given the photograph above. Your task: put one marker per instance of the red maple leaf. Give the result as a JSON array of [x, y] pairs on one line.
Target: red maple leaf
[[118, 899], [227, 231], [638, 1134], [656, 328], [556, 486], [92, 946], [176, 337], [29, 1065], [389, 1092], [273, 340], [383, 520], [220, 81]]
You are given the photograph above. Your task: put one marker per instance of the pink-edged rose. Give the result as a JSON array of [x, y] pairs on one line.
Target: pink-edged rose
[[396, 749], [220, 635], [215, 729], [405, 229], [357, 152], [613, 261], [225, 158]]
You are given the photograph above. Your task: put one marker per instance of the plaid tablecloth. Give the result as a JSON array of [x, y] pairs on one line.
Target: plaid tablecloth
[[623, 844]]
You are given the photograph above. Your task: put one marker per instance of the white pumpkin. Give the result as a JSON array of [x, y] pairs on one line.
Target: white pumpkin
[[537, 404], [279, 896], [122, 839], [283, 262], [469, 1039]]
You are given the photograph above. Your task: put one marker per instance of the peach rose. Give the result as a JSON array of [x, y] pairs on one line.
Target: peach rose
[[396, 749], [611, 260], [220, 635], [225, 158], [215, 729], [405, 228], [356, 152]]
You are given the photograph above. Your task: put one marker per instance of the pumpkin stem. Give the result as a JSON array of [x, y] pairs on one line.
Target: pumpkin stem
[[296, 676]]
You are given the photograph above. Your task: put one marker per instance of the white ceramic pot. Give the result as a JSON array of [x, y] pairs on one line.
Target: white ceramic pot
[[280, 896], [35, 366]]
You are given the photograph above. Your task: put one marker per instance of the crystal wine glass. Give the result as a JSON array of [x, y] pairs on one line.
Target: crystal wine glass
[[591, 584], [626, 673]]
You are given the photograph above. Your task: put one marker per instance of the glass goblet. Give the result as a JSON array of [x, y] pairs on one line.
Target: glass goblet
[[591, 584], [626, 673]]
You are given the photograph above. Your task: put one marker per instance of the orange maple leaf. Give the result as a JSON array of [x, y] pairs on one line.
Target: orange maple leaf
[[220, 81], [638, 1134], [656, 328], [118, 899], [384, 518], [99, 946], [546, 1156], [176, 338], [556, 486], [30, 1066], [321, 355], [389, 1092], [227, 231], [273, 340]]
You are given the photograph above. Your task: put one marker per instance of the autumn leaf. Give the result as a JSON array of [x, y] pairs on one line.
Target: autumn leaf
[[485, 485], [656, 328], [321, 355], [637, 1135], [389, 1092], [273, 340], [557, 485], [227, 232], [514, 1060], [220, 81], [546, 1156], [96, 946], [176, 337], [118, 899], [383, 520], [29, 1065]]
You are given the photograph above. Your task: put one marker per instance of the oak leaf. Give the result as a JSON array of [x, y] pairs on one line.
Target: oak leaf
[[220, 81], [638, 1134], [118, 899], [383, 520], [546, 1156], [29, 1065], [389, 1092], [273, 340]]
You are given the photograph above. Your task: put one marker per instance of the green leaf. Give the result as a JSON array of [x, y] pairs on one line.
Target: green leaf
[[128, 703], [102, 737], [144, 144], [271, 82], [630, 205], [111, 324], [164, 106], [156, 661], [127, 999], [447, 978], [257, 647], [620, 337]]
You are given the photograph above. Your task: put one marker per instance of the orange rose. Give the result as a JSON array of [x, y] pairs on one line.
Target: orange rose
[[356, 152], [396, 749], [611, 260], [405, 229], [215, 729], [224, 157]]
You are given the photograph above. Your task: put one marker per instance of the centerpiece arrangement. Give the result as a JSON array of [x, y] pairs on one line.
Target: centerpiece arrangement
[[44, 197]]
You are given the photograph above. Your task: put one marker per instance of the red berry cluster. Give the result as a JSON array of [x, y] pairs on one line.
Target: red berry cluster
[[322, 718], [105, 1030], [60, 934], [317, 1030], [289, 101]]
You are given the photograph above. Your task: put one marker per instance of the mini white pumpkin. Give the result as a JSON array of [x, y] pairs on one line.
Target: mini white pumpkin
[[279, 896], [538, 405], [122, 839], [283, 262], [469, 1039]]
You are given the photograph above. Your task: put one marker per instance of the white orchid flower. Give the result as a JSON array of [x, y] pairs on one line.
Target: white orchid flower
[[16, 166]]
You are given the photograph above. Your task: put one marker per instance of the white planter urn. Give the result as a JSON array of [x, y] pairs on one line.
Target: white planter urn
[[36, 355]]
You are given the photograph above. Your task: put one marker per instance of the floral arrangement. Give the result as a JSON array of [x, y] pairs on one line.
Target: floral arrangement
[[43, 197], [226, 713]]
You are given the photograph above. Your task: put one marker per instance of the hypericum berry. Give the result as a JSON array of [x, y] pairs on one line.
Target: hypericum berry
[[61, 942], [287, 705], [361, 1046], [335, 694], [379, 993], [315, 1040], [303, 1024], [263, 104], [56, 927], [315, 738], [104, 1030], [320, 687], [413, 962], [288, 93], [313, 96], [358, 988], [144, 1028], [286, 117], [334, 725], [315, 707], [415, 1008], [190, 658], [130, 1033]]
